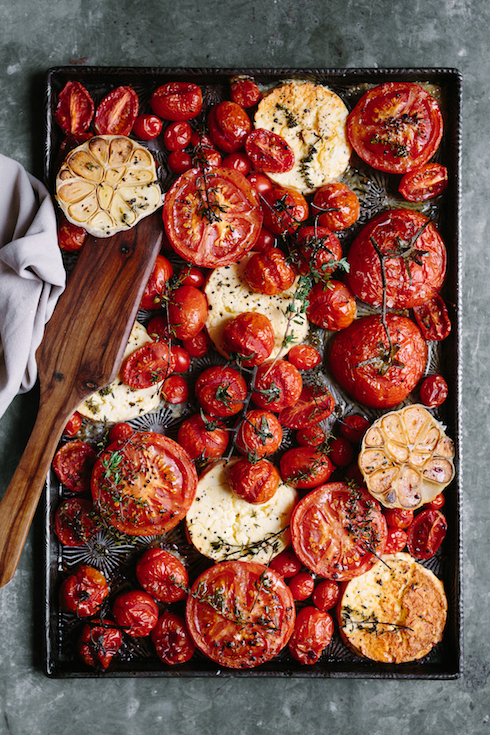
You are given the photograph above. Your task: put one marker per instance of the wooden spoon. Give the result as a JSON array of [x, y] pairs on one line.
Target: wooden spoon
[[82, 351]]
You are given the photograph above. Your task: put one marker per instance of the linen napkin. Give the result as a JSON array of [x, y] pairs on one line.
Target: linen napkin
[[32, 276]]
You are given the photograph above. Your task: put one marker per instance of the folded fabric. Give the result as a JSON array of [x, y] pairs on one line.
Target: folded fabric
[[32, 276]]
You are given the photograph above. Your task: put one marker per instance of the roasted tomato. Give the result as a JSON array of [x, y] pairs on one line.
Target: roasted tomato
[[336, 206], [177, 135], [338, 531], [326, 594], [245, 92], [259, 434], [177, 101], [197, 346], [84, 591], [249, 335], [117, 112], [70, 237], [314, 405], [331, 305], [433, 319], [353, 427], [99, 642], [376, 370], [398, 517], [238, 161], [73, 463], [120, 432], [269, 152], [278, 384], [260, 182], [255, 482], [74, 522], [403, 248], [157, 285], [74, 109], [284, 210], [73, 425], [181, 360], [304, 357], [341, 452], [319, 251], [312, 436], [286, 564], [395, 127], [144, 485], [136, 612], [249, 593], [187, 311], [203, 437], [269, 272], [172, 640], [147, 365], [229, 126], [147, 127], [179, 162], [305, 467], [265, 240], [175, 389], [221, 391], [162, 575], [434, 391], [213, 219], [312, 633], [301, 586], [396, 540], [424, 183], [426, 533], [191, 276], [207, 158]]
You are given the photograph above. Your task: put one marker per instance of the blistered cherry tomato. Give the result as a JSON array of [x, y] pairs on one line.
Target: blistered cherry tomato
[[221, 391], [265, 240], [249, 335], [206, 158], [424, 183], [259, 434], [245, 92], [74, 522], [99, 642], [326, 594], [177, 135], [396, 540], [426, 533], [173, 642], [229, 126], [147, 365], [278, 384], [177, 101], [181, 359], [199, 345], [158, 328], [437, 503], [157, 285], [284, 210], [203, 438], [269, 152], [433, 319], [179, 162], [312, 633], [319, 251], [260, 182], [191, 276], [83, 591], [73, 463], [398, 517], [305, 467], [239, 161], [301, 586], [136, 612], [73, 425], [255, 482], [187, 311], [434, 391], [331, 305], [315, 404], [341, 452], [354, 427], [175, 389], [162, 575], [120, 432], [286, 563], [304, 357], [312, 436], [70, 237], [336, 205], [147, 127], [269, 272], [117, 112]]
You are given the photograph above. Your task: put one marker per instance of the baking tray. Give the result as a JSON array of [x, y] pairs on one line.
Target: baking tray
[[376, 191]]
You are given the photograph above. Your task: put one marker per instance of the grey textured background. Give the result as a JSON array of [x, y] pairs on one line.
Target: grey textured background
[[36, 35]]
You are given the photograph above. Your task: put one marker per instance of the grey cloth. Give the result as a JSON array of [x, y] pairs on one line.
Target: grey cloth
[[32, 276]]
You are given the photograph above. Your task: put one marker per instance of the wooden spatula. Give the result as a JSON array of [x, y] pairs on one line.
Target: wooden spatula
[[81, 352]]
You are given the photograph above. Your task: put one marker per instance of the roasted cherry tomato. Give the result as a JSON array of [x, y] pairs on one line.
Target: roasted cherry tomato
[[136, 612], [175, 389], [70, 237], [434, 391], [73, 425], [74, 522], [304, 357], [212, 220], [284, 210], [331, 305], [433, 319], [438, 502], [403, 249], [246, 591], [278, 384], [147, 127], [341, 452], [206, 158], [238, 161], [312, 633], [162, 575], [260, 182], [197, 346], [179, 162], [269, 272], [74, 109], [259, 434], [181, 360], [245, 92], [221, 391], [312, 436], [203, 437], [99, 642], [326, 594], [157, 286], [286, 564], [83, 591], [144, 485], [301, 586], [229, 126], [117, 112], [187, 311], [120, 432], [396, 540], [159, 331], [255, 482], [426, 533], [172, 640], [147, 365], [177, 135], [191, 276], [319, 251], [395, 127], [177, 101], [353, 427], [314, 405], [398, 517], [269, 152], [265, 240], [73, 463], [249, 335], [424, 183], [377, 372], [305, 467], [336, 206]]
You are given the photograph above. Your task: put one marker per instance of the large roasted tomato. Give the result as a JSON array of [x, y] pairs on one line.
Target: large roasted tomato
[[338, 531], [212, 218], [240, 614], [395, 127], [408, 248], [144, 485], [376, 370]]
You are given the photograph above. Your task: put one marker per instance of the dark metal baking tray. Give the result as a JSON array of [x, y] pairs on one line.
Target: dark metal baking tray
[[139, 660]]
